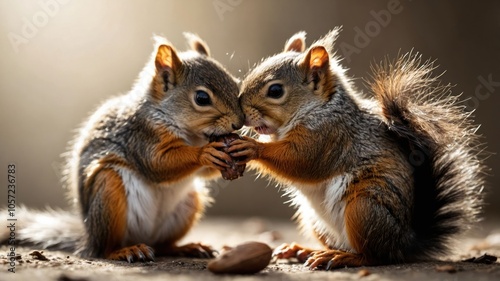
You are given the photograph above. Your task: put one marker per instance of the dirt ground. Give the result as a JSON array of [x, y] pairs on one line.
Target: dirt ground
[[218, 232]]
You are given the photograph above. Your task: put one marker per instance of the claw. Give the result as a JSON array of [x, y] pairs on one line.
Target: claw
[[331, 259], [202, 253], [303, 255], [329, 265], [308, 262], [140, 252], [316, 263], [141, 256], [206, 254], [150, 255]]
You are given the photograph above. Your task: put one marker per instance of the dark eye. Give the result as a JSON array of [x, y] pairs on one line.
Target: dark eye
[[202, 98], [275, 91]]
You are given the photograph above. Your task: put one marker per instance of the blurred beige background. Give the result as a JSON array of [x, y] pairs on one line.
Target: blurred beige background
[[60, 59]]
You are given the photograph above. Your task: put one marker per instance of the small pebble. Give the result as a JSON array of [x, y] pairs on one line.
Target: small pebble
[[38, 255], [486, 259]]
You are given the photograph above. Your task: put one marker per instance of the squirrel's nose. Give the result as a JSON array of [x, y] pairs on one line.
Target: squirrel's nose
[[236, 126]]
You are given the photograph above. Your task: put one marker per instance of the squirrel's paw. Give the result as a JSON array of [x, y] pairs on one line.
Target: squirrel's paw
[[191, 250], [139, 252], [331, 259], [211, 156], [246, 149], [293, 250]]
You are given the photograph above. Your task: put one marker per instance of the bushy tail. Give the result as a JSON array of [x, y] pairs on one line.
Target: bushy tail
[[49, 229], [442, 146]]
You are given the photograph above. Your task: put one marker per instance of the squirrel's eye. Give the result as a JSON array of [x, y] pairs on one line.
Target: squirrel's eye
[[202, 98], [275, 91]]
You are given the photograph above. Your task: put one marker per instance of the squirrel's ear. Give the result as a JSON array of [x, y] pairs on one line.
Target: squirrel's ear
[[166, 57], [316, 65], [318, 58], [197, 44], [167, 63], [296, 43]]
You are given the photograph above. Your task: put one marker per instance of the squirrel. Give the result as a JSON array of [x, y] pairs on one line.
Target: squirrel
[[381, 179], [138, 166]]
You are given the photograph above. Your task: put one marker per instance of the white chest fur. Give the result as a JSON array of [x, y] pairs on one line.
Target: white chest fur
[[322, 210], [155, 213]]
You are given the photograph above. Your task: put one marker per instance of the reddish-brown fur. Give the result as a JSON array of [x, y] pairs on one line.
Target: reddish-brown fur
[[350, 161], [113, 193], [138, 166]]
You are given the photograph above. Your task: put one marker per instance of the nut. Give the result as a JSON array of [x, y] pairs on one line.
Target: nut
[[247, 258], [234, 171]]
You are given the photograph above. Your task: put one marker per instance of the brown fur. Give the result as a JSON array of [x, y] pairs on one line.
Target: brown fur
[[136, 168], [162, 136], [385, 180], [113, 193]]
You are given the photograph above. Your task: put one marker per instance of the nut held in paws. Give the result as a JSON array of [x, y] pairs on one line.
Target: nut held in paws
[[234, 171], [247, 258]]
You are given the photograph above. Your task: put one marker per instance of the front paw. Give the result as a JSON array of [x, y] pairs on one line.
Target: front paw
[[244, 149], [212, 156], [235, 170]]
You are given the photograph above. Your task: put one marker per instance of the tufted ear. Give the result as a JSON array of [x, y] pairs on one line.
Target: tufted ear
[[316, 66], [296, 43], [328, 40], [168, 64], [197, 44]]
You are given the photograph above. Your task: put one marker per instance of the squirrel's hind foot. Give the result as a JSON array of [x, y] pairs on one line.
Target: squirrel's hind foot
[[191, 250], [331, 259], [139, 252], [293, 250]]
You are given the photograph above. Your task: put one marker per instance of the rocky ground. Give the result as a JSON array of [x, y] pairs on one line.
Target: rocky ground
[[38, 264]]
